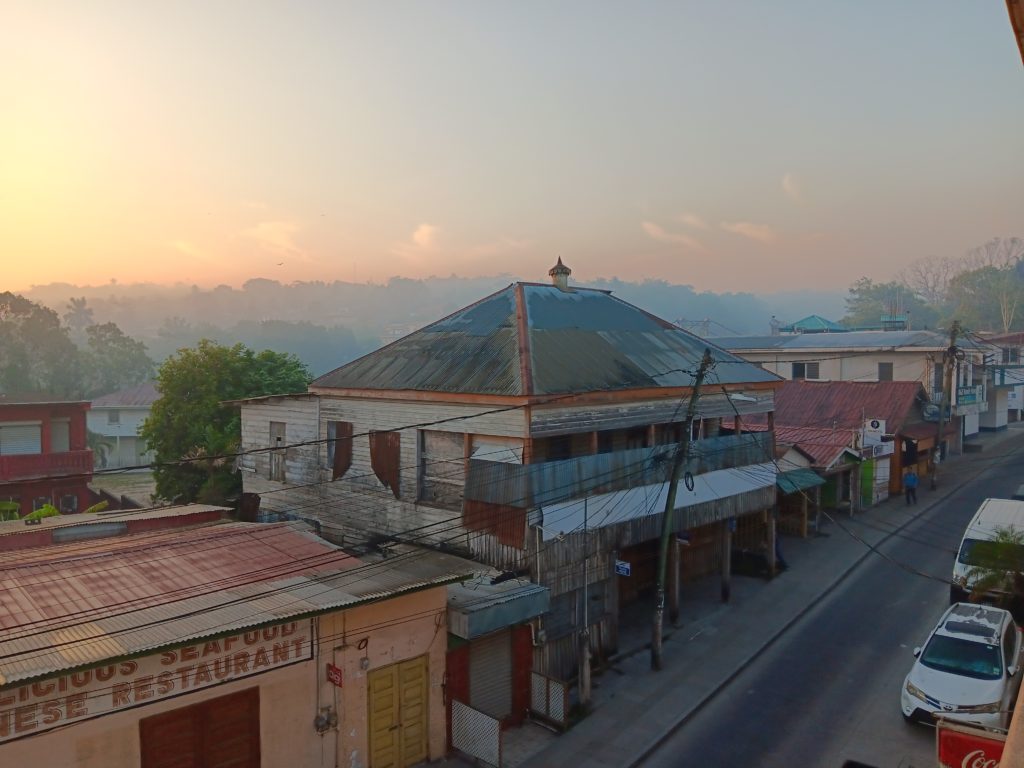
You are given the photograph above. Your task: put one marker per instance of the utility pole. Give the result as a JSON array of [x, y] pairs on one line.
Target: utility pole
[[948, 358], [678, 463], [585, 634]]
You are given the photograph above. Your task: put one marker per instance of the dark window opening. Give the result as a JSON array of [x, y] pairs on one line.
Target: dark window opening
[[885, 371], [805, 370]]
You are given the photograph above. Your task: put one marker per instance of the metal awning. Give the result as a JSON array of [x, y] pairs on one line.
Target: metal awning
[[798, 480], [478, 607]]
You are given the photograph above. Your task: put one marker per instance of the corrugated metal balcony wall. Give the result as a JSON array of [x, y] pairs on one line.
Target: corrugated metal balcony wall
[[534, 485]]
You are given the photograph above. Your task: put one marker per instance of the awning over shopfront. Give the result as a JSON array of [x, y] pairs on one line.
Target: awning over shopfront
[[796, 480], [479, 607]]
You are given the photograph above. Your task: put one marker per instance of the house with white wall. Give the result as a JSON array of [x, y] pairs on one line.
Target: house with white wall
[[117, 419], [877, 356]]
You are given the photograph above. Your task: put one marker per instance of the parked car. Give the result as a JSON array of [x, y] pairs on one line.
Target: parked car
[[993, 517], [968, 670]]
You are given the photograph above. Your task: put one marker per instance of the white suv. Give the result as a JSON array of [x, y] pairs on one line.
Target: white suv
[[969, 670]]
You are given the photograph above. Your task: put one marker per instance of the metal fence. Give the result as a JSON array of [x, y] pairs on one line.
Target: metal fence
[[476, 734], [549, 699]]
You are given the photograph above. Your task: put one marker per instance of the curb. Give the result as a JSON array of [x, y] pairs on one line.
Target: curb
[[685, 716]]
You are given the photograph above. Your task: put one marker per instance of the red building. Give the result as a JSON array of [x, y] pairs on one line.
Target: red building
[[44, 458]]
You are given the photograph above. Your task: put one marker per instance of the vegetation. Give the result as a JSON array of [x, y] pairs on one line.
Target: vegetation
[[984, 289], [997, 571], [47, 510], [192, 433]]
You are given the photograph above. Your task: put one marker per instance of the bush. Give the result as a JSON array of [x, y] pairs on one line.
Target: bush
[[47, 510]]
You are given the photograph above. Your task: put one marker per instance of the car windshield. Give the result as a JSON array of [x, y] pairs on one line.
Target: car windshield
[[991, 554], [963, 657]]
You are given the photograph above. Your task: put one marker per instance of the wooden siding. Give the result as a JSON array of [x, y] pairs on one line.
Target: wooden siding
[[560, 419]]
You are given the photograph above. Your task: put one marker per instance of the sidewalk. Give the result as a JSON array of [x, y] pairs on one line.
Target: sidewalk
[[633, 708]]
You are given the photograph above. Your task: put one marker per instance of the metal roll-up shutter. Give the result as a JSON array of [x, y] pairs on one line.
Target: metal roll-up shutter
[[490, 674], [21, 439]]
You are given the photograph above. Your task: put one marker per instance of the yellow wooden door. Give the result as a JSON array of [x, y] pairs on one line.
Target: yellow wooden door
[[398, 714]]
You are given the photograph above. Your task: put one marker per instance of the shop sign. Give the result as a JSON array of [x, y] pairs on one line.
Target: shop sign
[[964, 746], [622, 568], [57, 701], [334, 675]]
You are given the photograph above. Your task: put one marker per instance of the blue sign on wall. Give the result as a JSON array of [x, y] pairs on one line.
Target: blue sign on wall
[[622, 567]]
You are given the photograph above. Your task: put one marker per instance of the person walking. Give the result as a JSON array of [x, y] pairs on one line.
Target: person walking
[[910, 486]]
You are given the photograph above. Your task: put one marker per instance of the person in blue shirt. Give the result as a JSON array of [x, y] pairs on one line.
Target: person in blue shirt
[[910, 486]]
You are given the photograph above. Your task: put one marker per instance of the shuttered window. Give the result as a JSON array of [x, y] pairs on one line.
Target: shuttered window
[[339, 447], [60, 436], [385, 455], [20, 439], [490, 674], [219, 733]]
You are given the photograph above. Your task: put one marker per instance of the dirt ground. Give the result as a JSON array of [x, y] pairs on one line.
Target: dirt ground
[[140, 486]]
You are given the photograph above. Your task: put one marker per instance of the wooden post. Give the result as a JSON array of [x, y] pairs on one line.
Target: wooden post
[[726, 560], [673, 581]]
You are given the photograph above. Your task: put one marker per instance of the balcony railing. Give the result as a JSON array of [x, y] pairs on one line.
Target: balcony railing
[[531, 485], [34, 466]]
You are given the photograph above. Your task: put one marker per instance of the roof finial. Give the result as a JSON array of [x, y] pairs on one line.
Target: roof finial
[[560, 275]]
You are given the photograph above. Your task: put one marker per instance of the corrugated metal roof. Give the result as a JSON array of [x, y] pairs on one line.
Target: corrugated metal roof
[[139, 396], [798, 480], [580, 340], [846, 404], [35, 398], [814, 324], [853, 340], [822, 446], [79, 605]]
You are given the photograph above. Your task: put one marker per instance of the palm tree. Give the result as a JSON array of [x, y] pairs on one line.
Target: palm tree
[[996, 574]]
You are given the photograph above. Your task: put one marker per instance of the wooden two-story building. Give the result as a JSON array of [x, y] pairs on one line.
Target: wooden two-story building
[[533, 430]]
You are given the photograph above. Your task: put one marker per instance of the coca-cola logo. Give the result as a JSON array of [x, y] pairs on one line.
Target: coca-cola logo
[[978, 759]]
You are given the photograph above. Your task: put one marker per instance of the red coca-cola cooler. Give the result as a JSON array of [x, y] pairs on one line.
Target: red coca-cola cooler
[[965, 746]]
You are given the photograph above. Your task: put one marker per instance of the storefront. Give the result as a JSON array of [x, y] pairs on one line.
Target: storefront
[[326, 659]]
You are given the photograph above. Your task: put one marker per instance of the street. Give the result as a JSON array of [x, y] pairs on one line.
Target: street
[[828, 690]]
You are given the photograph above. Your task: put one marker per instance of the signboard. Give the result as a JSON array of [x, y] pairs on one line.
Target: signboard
[[334, 675], [873, 431], [57, 701], [622, 568], [964, 746]]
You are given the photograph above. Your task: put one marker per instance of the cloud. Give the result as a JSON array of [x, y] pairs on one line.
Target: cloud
[[759, 232], [676, 238], [425, 236], [189, 249], [693, 220], [277, 237], [498, 247], [791, 186]]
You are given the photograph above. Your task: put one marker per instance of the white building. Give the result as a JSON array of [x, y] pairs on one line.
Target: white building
[[117, 418]]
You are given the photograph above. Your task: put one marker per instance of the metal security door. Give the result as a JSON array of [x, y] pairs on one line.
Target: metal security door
[[398, 714], [490, 674]]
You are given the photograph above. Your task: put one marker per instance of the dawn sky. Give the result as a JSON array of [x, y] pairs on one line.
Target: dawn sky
[[740, 146]]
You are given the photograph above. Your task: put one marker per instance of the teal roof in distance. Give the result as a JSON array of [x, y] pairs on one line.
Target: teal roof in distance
[[814, 324], [537, 339]]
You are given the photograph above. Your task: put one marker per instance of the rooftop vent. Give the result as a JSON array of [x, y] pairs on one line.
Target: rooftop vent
[[560, 275]]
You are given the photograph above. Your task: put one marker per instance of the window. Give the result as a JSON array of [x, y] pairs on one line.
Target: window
[[113, 417], [885, 371], [39, 502], [277, 455], [805, 370], [339, 447], [68, 503], [385, 457], [1011, 355], [443, 467], [20, 439], [1009, 644]]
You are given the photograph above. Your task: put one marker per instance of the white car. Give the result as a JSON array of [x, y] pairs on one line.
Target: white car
[[969, 670]]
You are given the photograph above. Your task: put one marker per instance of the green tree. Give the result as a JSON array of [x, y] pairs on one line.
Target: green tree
[[36, 353], [988, 298], [78, 317], [189, 430], [112, 361], [868, 301], [996, 574]]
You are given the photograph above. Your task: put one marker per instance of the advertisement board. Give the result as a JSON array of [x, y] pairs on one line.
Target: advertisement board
[[964, 746]]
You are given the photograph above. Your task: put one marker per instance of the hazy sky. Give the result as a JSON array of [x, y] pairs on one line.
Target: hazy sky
[[752, 146]]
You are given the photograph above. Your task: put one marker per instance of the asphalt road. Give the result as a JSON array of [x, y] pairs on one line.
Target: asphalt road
[[828, 690]]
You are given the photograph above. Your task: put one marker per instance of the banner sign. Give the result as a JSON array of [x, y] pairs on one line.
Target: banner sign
[[56, 701], [964, 746]]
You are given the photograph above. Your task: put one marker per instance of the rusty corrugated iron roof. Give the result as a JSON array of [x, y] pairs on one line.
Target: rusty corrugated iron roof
[[140, 396], [74, 605], [533, 339], [824, 447], [846, 404]]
